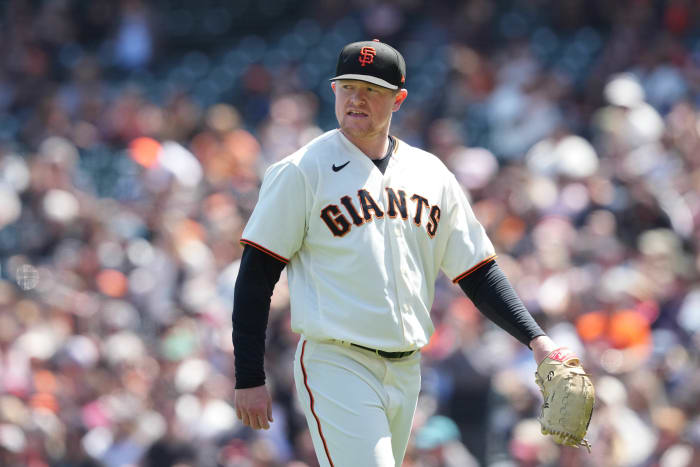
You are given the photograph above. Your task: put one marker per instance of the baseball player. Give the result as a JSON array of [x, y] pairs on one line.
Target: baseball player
[[364, 223]]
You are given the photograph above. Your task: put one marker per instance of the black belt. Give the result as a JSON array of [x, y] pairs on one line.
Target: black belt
[[385, 354]]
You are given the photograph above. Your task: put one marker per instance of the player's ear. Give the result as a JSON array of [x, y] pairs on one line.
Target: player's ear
[[398, 100], [333, 86]]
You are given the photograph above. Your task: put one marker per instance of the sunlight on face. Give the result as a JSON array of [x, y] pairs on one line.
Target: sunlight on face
[[364, 109]]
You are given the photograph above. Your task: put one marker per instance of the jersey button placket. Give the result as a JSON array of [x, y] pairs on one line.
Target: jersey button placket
[[393, 228], [404, 290]]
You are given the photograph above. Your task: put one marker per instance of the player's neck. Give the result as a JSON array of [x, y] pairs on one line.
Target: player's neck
[[375, 147]]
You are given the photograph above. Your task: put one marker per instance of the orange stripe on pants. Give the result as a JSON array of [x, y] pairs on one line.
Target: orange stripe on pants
[[311, 398]]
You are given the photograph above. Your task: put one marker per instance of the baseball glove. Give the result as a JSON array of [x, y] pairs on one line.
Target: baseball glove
[[568, 398]]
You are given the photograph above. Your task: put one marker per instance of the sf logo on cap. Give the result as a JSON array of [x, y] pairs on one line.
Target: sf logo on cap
[[367, 55]]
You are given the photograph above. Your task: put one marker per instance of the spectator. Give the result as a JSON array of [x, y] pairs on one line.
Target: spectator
[[133, 137]]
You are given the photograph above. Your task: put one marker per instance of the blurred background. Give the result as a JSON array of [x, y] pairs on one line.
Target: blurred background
[[133, 138]]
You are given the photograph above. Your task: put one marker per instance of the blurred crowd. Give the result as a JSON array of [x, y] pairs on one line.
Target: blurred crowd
[[133, 139]]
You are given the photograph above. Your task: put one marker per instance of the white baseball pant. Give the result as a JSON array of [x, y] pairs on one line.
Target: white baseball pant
[[359, 406]]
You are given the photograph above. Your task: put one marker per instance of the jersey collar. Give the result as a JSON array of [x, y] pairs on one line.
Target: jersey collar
[[355, 151], [350, 146]]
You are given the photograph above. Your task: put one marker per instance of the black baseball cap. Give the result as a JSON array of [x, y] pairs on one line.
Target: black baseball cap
[[372, 61]]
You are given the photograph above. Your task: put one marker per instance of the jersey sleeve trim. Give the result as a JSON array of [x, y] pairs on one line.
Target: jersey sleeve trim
[[471, 270], [265, 250]]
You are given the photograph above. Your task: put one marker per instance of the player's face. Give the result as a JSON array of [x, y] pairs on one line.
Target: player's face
[[363, 109]]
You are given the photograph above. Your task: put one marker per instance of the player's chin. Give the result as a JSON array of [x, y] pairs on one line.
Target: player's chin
[[356, 126]]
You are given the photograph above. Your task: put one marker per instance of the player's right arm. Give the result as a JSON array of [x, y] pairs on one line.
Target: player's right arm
[[257, 276], [254, 407], [274, 233]]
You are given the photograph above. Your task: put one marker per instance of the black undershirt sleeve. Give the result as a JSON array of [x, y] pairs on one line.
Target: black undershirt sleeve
[[257, 276], [492, 293]]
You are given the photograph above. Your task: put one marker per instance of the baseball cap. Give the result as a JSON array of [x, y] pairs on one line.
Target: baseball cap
[[372, 61]]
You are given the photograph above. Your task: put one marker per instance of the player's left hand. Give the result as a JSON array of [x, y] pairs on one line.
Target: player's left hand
[[541, 347], [568, 398], [254, 407]]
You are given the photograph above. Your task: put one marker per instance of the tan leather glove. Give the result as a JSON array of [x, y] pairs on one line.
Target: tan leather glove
[[568, 398]]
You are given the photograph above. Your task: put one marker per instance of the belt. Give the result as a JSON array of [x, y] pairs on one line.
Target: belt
[[385, 354]]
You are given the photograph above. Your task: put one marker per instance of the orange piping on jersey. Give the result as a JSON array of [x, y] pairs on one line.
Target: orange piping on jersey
[[311, 397], [466, 273], [396, 144], [265, 250]]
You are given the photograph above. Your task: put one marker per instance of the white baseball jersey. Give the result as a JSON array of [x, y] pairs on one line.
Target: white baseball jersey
[[363, 249]]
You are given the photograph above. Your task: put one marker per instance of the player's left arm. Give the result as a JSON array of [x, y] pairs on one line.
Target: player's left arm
[[567, 390], [492, 293], [485, 283], [569, 397]]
